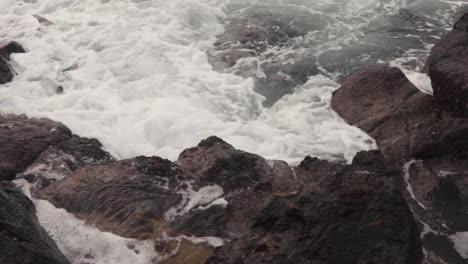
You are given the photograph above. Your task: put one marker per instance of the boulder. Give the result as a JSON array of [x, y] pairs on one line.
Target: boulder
[[405, 122], [448, 69], [22, 140], [41, 150], [22, 239], [6, 74]]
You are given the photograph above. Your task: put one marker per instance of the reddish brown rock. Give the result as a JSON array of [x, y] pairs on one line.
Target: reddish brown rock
[[405, 122], [448, 68], [23, 140]]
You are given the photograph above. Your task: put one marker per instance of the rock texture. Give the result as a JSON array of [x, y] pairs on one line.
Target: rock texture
[[22, 239], [448, 69], [43, 148], [429, 135], [353, 214], [6, 74], [319, 212], [405, 122]]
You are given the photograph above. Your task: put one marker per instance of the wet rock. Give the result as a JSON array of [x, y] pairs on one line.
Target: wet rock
[[22, 140], [405, 122], [62, 159], [129, 197], [6, 74], [249, 182], [448, 68], [22, 239], [354, 215], [139, 198], [215, 190], [462, 23], [8, 49], [215, 161]]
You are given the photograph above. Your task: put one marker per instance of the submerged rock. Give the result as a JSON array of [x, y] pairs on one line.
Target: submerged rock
[[22, 239], [250, 44], [448, 68], [6, 74]]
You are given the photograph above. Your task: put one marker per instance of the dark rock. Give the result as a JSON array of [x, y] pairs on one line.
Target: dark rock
[[355, 214], [215, 161], [448, 68], [405, 122], [462, 23], [6, 74], [440, 184], [274, 207], [22, 239], [22, 140], [8, 49]]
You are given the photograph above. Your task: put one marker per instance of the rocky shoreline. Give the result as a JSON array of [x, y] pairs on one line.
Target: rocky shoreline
[[216, 204]]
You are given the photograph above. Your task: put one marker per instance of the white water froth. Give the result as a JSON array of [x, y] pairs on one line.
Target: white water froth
[[202, 199], [461, 243], [409, 188], [135, 75], [82, 243]]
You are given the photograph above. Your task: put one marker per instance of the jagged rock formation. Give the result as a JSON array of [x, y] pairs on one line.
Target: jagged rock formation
[[429, 135]]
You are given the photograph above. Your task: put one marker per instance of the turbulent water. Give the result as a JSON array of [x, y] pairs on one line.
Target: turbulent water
[[135, 74]]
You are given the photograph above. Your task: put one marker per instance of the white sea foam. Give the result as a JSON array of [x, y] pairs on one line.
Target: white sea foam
[[409, 188], [460, 239], [81, 243], [135, 75]]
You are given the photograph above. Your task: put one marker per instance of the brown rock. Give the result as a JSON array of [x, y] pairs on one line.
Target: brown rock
[[23, 140], [129, 197], [405, 123], [63, 159], [448, 68]]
